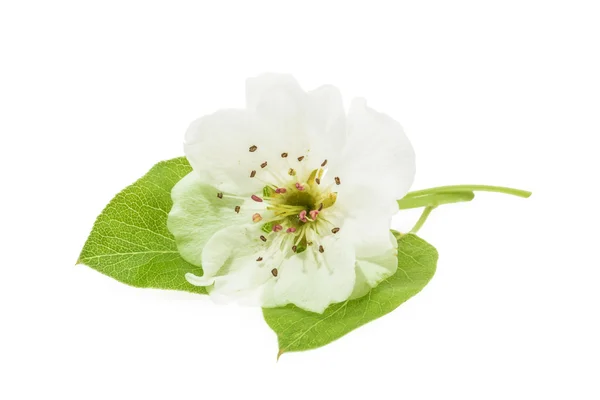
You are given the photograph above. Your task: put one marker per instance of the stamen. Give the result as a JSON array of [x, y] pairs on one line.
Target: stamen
[[320, 207], [256, 198], [321, 249], [237, 209], [291, 229], [302, 216], [292, 172], [259, 259], [324, 163], [277, 228], [313, 214], [252, 174], [300, 158], [264, 239], [274, 271], [294, 248], [220, 195], [284, 155], [280, 190], [252, 149], [256, 217], [263, 164], [335, 230], [299, 186], [318, 181], [337, 180]]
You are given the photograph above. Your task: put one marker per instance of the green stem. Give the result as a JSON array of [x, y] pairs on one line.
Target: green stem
[[434, 199], [422, 219], [469, 188]]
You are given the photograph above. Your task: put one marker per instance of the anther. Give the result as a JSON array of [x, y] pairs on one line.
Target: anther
[[264, 239], [335, 230], [252, 149], [256, 217], [280, 190], [321, 249], [274, 271], [277, 228], [237, 209], [294, 248], [259, 259], [300, 158], [220, 195], [252, 174], [302, 216], [299, 186], [256, 198], [324, 163], [313, 214], [291, 229], [320, 207], [337, 180], [263, 164], [284, 155], [292, 172], [318, 181]]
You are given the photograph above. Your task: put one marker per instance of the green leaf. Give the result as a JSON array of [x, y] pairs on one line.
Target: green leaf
[[130, 240], [299, 330]]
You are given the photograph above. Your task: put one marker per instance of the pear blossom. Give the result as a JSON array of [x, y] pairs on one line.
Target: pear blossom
[[290, 199]]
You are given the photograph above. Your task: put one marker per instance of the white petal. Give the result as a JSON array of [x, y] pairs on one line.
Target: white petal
[[366, 218], [279, 103], [326, 125], [377, 155], [371, 271], [304, 124], [217, 146], [312, 280], [229, 262], [198, 213], [275, 96]]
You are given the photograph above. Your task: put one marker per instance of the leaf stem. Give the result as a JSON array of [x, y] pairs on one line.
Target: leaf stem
[[469, 188], [422, 219], [435, 199]]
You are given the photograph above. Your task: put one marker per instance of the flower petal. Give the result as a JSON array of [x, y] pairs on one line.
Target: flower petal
[[366, 215], [229, 261], [377, 155], [326, 125], [198, 213], [311, 124], [313, 280], [218, 148], [371, 271]]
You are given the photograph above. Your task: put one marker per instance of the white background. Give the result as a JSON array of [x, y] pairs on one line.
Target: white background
[[496, 92]]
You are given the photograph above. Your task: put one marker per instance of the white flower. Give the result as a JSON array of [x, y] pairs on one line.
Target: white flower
[[290, 200]]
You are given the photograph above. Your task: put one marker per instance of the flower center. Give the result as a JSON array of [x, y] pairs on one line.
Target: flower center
[[296, 205]]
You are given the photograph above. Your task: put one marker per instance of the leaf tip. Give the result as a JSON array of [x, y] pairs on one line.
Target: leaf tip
[[281, 351]]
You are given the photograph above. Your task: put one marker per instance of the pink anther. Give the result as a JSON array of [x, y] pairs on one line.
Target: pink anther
[[302, 216]]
